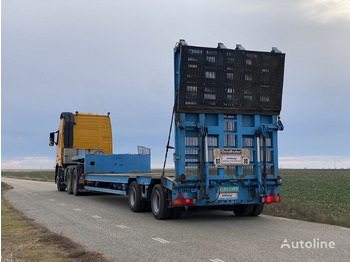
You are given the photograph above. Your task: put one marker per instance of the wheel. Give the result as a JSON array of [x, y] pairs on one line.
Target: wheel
[[257, 209], [159, 203], [136, 203], [176, 212], [75, 182], [243, 210], [69, 181], [60, 186]]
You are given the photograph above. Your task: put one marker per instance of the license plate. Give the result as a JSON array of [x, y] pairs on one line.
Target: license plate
[[228, 189], [228, 196]]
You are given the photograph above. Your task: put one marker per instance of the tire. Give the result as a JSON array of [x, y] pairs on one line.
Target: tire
[[75, 183], [136, 203], [69, 181], [243, 210], [60, 186], [257, 209], [159, 203]]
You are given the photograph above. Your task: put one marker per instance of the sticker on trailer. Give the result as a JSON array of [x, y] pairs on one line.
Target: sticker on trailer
[[226, 196], [231, 157]]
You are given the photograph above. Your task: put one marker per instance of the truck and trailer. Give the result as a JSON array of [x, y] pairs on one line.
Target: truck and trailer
[[225, 119]]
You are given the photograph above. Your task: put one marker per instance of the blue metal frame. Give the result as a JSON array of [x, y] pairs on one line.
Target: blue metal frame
[[115, 164], [118, 163], [245, 131]]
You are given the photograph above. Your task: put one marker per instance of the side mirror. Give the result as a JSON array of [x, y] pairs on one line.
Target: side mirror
[[52, 139]]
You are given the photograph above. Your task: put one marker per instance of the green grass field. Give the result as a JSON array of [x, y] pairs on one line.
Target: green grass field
[[43, 175], [319, 195]]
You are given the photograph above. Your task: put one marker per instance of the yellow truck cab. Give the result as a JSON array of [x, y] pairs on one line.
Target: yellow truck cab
[[87, 131]]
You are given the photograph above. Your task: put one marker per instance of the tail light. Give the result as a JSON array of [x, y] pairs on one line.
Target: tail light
[[184, 202], [180, 201], [270, 199], [81, 180]]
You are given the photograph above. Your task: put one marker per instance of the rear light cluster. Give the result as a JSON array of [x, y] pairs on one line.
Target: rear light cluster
[[270, 199], [180, 201], [183, 202], [81, 180]]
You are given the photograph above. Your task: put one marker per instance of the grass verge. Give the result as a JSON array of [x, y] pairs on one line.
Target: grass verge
[[24, 240], [40, 175], [316, 195]]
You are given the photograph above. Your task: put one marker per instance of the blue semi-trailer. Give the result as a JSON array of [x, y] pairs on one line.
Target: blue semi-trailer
[[225, 119]]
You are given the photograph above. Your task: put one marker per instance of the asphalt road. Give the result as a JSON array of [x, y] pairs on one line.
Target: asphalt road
[[105, 223]]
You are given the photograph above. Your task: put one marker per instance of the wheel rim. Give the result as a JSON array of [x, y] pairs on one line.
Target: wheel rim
[[132, 196], [156, 202]]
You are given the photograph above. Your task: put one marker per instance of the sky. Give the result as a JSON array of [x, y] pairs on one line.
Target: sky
[[117, 56]]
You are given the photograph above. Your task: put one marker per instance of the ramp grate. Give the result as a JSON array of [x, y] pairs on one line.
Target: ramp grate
[[230, 81]]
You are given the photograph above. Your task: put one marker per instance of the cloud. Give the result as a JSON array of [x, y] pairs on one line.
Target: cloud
[[327, 10], [314, 162], [28, 163]]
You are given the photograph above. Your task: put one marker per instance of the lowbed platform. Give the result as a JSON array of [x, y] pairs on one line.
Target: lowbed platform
[[150, 175], [118, 183]]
